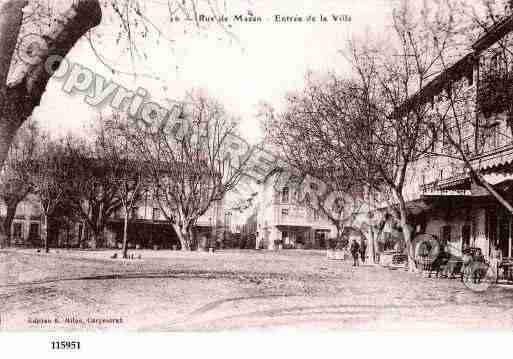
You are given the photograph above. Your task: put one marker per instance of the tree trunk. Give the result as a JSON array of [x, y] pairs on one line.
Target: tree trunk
[[7, 131], [97, 239], [5, 230], [11, 17], [3, 237], [99, 226], [83, 235], [338, 236], [408, 232], [373, 243], [183, 236], [44, 232], [190, 235], [125, 235], [18, 99]]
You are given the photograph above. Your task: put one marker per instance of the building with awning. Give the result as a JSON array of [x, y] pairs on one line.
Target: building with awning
[[444, 198], [284, 220]]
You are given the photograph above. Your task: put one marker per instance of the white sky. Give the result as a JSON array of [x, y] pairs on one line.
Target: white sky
[[269, 60]]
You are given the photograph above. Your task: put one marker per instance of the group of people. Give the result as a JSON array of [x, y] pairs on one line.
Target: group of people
[[358, 250]]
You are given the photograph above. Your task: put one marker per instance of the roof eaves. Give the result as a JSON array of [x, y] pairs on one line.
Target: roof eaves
[[494, 33]]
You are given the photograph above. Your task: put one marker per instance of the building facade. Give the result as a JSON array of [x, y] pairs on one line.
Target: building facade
[[148, 227], [284, 220], [445, 199]]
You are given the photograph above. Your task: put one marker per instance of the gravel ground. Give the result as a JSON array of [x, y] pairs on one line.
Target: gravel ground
[[232, 290]]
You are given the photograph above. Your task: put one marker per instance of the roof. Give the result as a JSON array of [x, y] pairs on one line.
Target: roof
[[461, 68], [494, 33]]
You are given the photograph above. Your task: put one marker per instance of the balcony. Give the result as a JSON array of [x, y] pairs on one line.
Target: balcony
[[494, 92], [294, 215], [458, 184]]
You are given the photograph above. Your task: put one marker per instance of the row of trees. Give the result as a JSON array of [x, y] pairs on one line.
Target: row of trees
[[25, 73], [56, 27], [363, 134], [69, 177], [184, 172]]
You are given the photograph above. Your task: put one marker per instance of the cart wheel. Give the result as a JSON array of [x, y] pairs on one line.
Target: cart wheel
[[478, 276]]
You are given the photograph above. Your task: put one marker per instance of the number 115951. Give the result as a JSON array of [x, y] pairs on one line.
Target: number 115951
[[65, 345]]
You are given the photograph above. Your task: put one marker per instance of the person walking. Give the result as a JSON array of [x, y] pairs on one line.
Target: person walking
[[355, 251], [363, 249]]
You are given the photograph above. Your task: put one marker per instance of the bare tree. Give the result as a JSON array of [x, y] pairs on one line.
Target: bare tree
[[307, 138], [130, 169], [60, 25], [49, 176], [132, 177], [15, 182], [93, 186], [192, 168], [397, 125]]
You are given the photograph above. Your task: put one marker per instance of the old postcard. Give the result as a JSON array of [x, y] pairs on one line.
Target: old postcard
[[255, 165]]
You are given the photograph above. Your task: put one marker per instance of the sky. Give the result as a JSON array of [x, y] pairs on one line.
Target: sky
[[260, 62]]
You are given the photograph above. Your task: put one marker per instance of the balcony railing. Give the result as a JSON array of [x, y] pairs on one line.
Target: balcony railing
[[295, 215], [494, 92]]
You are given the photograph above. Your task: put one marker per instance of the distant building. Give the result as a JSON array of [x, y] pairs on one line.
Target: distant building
[[25, 229], [148, 226], [283, 220]]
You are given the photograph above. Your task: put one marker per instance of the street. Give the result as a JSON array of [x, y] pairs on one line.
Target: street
[[232, 290]]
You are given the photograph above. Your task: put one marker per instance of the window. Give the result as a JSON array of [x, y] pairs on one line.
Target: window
[[494, 63], [492, 134], [338, 205], [470, 78], [467, 146], [34, 231], [316, 214], [445, 235], [465, 236], [285, 237], [17, 230], [156, 214], [284, 212], [135, 212], [285, 195]]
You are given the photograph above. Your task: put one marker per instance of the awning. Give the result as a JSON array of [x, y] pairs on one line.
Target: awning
[[292, 227], [499, 161]]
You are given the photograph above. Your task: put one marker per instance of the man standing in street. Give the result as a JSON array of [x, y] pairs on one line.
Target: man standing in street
[[355, 251], [363, 249]]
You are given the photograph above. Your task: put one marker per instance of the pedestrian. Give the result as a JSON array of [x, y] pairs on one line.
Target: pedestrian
[[363, 249], [355, 251]]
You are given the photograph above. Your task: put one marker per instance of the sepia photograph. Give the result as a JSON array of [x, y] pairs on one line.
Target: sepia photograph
[[253, 167]]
